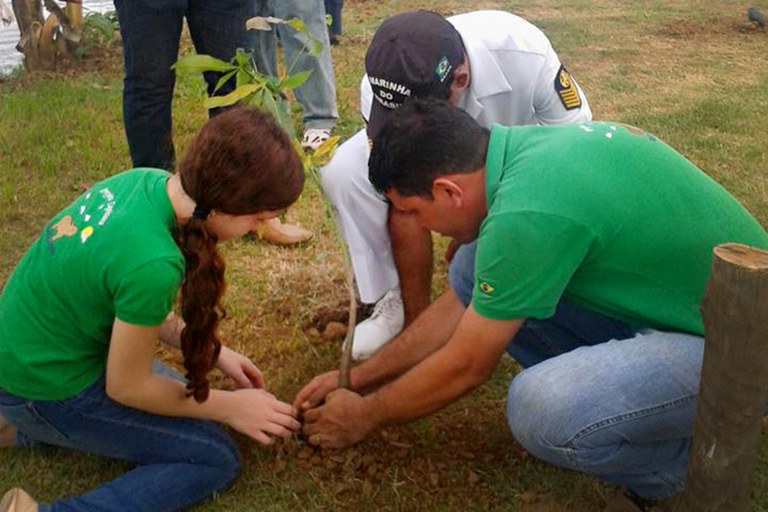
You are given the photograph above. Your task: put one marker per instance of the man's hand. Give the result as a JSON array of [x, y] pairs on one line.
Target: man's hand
[[240, 369], [342, 421], [314, 393]]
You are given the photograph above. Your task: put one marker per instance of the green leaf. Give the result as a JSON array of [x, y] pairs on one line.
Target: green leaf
[[101, 23], [257, 98], [242, 58], [277, 108], [291, 82], [231, 98], [328, 20], [224, 78], [189, 64], [315, 47], [297, 25], [322, 155]]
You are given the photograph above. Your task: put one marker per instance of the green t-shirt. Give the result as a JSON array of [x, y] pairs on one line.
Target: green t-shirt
[[605, 215], [109, 254]]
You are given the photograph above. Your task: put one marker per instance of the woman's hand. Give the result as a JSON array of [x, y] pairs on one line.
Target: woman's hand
[[261, 416], [240, 369]]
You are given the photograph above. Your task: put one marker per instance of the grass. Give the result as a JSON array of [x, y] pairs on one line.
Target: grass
[[690, 72]]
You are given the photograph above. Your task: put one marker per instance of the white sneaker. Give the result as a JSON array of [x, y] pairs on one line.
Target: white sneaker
[[313, 137], [385, 323]]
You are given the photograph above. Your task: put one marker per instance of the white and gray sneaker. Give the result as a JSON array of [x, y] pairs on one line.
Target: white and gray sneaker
[[314, 137], [385, 323]]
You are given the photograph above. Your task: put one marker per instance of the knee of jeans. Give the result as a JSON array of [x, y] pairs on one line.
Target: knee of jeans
[[534, 418], [215, 453]]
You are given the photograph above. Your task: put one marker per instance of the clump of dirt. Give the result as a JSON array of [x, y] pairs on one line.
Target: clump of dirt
[[330, 322]]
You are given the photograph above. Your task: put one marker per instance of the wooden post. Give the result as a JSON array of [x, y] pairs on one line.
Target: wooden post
[[734, 383]]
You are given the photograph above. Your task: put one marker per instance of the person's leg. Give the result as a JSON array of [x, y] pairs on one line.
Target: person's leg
[[361, 213], [318, 94], [150, 33], [622, 411], [179, 461], [333, 8], [263, 43], [217, 28]]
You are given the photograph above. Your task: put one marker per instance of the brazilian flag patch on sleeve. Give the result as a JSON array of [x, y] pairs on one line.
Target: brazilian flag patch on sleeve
[[566, 89]]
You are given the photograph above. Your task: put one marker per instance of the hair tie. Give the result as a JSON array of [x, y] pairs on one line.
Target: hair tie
[[201, 213]]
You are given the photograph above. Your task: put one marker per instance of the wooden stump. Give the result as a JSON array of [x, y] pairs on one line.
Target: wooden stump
[[734, 383]]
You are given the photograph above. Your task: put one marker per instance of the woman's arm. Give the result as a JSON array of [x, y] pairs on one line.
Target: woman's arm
[[234, 365], [130, 381]]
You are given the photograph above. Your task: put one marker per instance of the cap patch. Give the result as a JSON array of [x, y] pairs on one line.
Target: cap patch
[[389, 94], [443, 68], [566, 89]]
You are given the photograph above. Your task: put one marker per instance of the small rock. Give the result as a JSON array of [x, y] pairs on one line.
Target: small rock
[[528, 497], [334, 331]]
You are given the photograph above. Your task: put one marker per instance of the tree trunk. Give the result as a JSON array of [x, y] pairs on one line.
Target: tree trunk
[[734, 383]]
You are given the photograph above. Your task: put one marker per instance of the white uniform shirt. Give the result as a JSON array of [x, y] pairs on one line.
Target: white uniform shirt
[[515, 75]]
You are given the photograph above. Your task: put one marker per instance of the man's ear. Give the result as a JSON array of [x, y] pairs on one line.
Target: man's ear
[[460, 79], [447, 189]]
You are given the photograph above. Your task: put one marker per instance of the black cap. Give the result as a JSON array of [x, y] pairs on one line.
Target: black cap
[[411, 54]]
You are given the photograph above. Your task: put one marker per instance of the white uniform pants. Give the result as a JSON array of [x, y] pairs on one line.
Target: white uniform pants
[[361, 212]]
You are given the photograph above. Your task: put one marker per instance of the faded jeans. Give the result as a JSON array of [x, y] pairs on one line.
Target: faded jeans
[[600, 396], [179, 461], [318, 94], [150, 31]]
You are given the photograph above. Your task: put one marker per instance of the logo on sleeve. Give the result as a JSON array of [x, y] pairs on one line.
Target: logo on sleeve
[[486, 287], [565, 87]]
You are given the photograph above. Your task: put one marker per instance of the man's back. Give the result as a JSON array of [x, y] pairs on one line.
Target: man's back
[[607, 214]]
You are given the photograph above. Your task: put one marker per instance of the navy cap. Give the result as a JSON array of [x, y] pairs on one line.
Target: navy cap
[[412, 54]]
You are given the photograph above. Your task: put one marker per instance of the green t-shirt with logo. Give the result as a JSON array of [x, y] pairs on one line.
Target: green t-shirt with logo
[[109, 254], [605, 215]]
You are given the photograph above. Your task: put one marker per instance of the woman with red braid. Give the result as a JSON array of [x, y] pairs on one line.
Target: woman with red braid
[[82, 312]]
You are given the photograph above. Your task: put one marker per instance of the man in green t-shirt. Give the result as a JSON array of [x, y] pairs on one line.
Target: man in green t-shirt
[[594, 245]]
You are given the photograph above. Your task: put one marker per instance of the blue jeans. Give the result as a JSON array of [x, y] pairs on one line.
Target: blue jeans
[[334, 7], [150, 30], [179, 461], [318, 94], [600, 396]]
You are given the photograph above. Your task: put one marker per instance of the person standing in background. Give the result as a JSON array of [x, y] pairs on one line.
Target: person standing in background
[[333, 8], [150, 32]]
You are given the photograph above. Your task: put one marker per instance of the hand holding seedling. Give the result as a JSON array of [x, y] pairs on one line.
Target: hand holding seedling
[[315, 392], [341, 421]]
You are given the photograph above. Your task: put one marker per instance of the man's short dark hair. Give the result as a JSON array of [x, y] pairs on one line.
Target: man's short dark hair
[[422, 140]]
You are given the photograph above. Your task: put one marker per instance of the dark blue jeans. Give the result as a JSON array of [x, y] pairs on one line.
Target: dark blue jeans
[[333, 7], [179, 461], [150, 31]]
